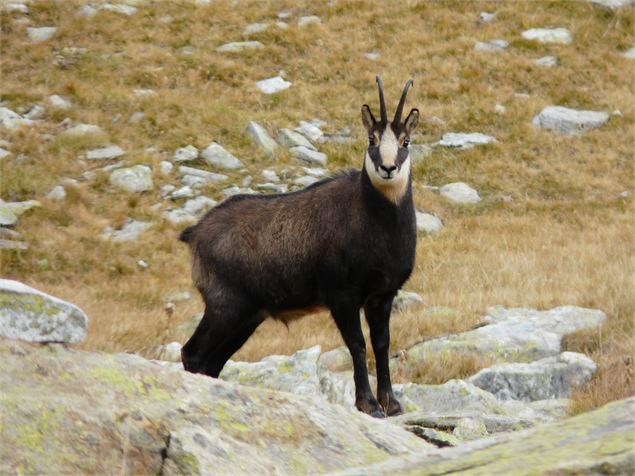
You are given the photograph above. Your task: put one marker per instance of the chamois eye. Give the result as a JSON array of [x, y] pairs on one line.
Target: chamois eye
[[406, 141], [371, 140]]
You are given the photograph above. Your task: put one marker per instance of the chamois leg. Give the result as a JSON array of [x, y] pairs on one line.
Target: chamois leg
[[377, 311], [347, 319]]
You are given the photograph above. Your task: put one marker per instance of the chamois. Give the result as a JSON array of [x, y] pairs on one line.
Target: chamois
[[341, 244]]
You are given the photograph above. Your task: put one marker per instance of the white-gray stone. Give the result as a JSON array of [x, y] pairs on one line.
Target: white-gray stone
[[548, 35], [104, 153], [630, 53], [33, 316], [318, 172], [185, 154], [548, 378], [12, 120], [143, 92], [270, 175], [36, 112], [4, 153], [486, 17], [59, 102], [428, 223], [81, 130], [194, 181], [569, 121], [282, 25], [136, 117], [272, 187], [459, 192], [42, 33], [130, 231], [261, 138], [305, 181], [57, 193], [238, 46], [198, 205], [166, 167], [119, 8], [216, 156], [183, 192], [492, 45], [13, 245], [254, 28], [405, 299], [372, 55], [463, 140], [234, 190], [308, 156], [133, 179], [289, 139], [613, 4], [273, 85], [19, 208], [86, 11], [337, 360], [178, 217], [500, 109], [309, 130], [308, 20], [16, 8], [547, 61], [169, 352]]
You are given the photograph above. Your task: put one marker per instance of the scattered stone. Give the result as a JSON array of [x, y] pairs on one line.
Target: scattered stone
[[19, 208], [613, 4], [309, 130], [315, 171], [178, 296], [272, 187], [34, 113], [247, 181], [143, 264], [194, 181], [428, 223], [216, 156], [569, 121], [337, 360], [290, 139], [548, 378], [86, 11], [166, 167], [485, 17], [81, 130], [119, 8], [419, 152], [185, 154], [30, 315], [284, 15], [405, 299], [309, 156], [238, 46], [234, 190], [169, 352], [13, 245], [254, 28], [59, 102], [273, 85], [305, 181], [465, 140], [547, 61], [500, 109], [492, 45], [8, 234], [261, 138], [460, 192], [136, 117], [308, 20], [12, 120], [282, 25], [16, 8], [198, 205], [373, 55], [104, 153], [57, 193], [270, 175], [178, 217], [630, 53], [130, 231], [143, 92], [4, 153], [39, 34], [548, 35], [183, 192], [133, 179]]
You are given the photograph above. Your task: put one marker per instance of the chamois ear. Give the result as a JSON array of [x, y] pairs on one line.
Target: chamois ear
[[412, 121], [367, 118]]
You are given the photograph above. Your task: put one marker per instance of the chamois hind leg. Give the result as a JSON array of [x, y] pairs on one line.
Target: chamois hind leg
[[346, 317], [377, 311]]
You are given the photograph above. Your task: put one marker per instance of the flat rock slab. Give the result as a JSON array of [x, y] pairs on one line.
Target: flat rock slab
[[104, 153], [460, 193], [428, 223], [273, 85], [548, 35], [216, 156], [464, 140], [12, 120], [19, 208], [547, 61], [239, 46], [289, 139], [261, 138], [133, 179], [613, 4], [185, 154], [548, 378], [80, 130], [492, 45], [42, 33], [130, 231], [569, 121], [33, 316], [310, 130], [13, 245], [205, 175], [308, 156], [7, 217], [101, 408], [197, 206]]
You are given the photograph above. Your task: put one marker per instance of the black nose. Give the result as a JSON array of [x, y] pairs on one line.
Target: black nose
[[388, 169]]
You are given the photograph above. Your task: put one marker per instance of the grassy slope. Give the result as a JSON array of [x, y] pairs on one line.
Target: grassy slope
[[565, 237]]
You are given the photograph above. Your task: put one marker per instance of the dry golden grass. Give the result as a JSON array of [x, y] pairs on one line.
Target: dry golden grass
[[552, 228]]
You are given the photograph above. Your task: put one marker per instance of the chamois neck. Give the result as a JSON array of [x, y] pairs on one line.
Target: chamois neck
[[384, 197]]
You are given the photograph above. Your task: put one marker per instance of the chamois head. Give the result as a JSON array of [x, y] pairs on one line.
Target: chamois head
[[387, 161]]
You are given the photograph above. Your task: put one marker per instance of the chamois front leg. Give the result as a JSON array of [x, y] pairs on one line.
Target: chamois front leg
[[377, 311], [347, 319]]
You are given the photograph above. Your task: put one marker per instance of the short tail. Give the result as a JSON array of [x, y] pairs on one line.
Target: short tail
[[186, 234]]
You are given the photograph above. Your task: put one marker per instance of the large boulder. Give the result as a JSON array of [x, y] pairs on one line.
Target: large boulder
[[33, 316], [569, 121], [69, 412], [133, 179]]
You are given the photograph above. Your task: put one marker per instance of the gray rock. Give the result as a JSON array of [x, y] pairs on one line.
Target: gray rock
[[492, 45], [273, 85], [42, 33], [465, 140], [143, 92], [547, 61], [460, 193], [19, 208], [405, 299], [133, 179], [270, 175], [308, 156], [630, 53], [57, 193], [339, 388], [7, 217], [12, 120], [185, 154], [308, 20], [216, 156], [178, 216], [183, 192], [261, 138], [199, 205], [81, 130], [569, 121], [209, 177], [372, 55], [4, 153], [35, 113], [136, 117], [234, 190], [613, 4], [419, 152], [486, 17], [254, 28], [289, 139], [282, 25], [470, 429], [305, 181], [119, 8], [130, 231], [309, 130], [337, 360], [16, 8], [239, 46], [104, 153], [194, 182], [59, 102], [548, 35], [317, 172], [548, 378], [166, 167], [100, 408], [500, 109], [13, 245], [33, 316], [428, 223], [272, 187], [169, 352], [8, 234]]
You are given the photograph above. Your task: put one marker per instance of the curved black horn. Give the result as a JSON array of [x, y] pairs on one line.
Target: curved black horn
[[382, 102], [402, 101]]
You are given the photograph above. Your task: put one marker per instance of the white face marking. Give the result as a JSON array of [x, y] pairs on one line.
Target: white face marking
[[393, 188], [388, 147]]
